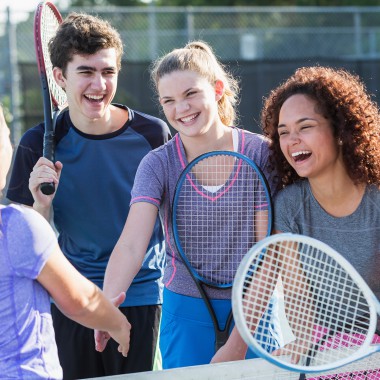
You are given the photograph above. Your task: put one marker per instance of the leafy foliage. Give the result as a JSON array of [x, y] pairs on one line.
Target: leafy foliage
[[80, 3], [121, 3]]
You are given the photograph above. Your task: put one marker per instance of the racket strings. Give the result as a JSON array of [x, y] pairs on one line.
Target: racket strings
[[326, 311], [364, 369], [222, 210], [48, 26], [359, 375]]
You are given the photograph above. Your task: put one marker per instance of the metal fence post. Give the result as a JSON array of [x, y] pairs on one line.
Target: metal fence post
[[358, 32], [190, 23], [14, 79], [153, 49]]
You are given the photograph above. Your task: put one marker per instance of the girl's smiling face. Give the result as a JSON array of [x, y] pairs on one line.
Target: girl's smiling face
[[306, 137], [190, 102]]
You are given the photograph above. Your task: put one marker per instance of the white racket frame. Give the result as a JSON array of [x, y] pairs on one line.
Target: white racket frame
[[282, 361]]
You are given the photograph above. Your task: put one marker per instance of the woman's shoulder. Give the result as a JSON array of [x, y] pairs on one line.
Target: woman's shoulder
[[373, 190], [158, 160], [15, 210], [162, 152], [254, 145], [373, 194], [21, 215], [293, 191], [252, 137]]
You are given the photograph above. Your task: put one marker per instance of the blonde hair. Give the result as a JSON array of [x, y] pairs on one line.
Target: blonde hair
[[199, 57]]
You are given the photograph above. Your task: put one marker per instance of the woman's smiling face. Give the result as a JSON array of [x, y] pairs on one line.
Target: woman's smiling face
[[306, 137], [189, 101]]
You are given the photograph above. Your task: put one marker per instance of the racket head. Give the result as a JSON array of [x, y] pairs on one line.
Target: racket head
[[213, 208], [324, 297], [47, 19]]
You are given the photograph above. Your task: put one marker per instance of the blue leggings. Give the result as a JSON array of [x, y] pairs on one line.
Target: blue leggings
[[187, 335]]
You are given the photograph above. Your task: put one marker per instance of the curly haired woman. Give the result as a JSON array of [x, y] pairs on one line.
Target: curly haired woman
[[325, 143]]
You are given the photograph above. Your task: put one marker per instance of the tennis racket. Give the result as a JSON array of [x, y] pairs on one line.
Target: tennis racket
[[46, 21], [221, 207], [330, 310]]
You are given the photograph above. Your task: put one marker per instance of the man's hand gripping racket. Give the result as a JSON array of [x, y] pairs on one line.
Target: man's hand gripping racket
[[46, 21]]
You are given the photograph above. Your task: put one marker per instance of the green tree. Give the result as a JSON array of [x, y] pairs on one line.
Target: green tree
[[81, 3], [89, 3], [270, 2]]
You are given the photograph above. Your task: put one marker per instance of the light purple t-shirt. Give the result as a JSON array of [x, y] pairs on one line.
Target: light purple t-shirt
[[27, 344], [155, 182]]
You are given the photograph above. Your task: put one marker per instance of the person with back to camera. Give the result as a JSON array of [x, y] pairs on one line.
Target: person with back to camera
[[198, 97], [325, 143], [32, 268], [99, 146]]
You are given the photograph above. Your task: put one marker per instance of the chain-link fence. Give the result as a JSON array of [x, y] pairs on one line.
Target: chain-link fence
[[247, 33], [253, 40]]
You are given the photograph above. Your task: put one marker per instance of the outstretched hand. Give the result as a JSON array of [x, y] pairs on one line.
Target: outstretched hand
[[295, 350], [234, 349], [102, 337], [225, 354], [101, 340]]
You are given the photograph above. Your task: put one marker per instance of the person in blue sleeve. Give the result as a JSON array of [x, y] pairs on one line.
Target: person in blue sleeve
[[33, 269]]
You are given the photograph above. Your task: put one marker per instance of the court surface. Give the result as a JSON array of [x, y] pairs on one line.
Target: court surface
[[256, 369]]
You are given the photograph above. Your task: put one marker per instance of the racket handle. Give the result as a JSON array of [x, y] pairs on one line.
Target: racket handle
[[219, 343], [47, 188], [221, 336], [48, 152]]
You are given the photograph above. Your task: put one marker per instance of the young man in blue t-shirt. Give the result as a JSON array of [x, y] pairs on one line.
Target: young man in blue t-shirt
[[99, 146]]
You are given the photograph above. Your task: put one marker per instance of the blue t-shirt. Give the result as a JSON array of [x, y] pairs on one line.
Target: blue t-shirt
[[27, 343], [92, 200]]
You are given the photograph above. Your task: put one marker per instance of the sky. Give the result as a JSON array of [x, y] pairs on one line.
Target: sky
[[24, 5], [17, 7]]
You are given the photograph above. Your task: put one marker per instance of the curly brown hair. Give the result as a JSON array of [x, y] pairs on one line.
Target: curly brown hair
[[354, 116], [83, 34]]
